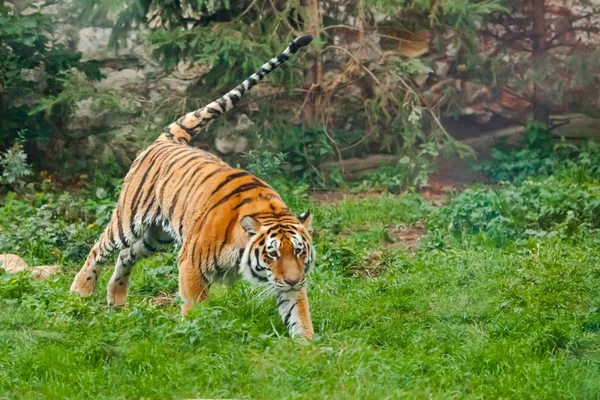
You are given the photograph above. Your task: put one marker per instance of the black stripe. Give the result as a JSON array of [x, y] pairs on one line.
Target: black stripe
[[254, 274], [179, 188], [241, 189], [289, 314], [210, 175], [134, 202], [187, 185], [229, 179], [170, 174], [191, 202], [281, 302], [187, 130], [234, 98], [120, 230], [222, 104], [245, 201], [148, 208], [227, 233], [215, 260]]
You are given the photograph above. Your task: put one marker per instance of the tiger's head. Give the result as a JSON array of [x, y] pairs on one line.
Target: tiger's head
[[279, 251]]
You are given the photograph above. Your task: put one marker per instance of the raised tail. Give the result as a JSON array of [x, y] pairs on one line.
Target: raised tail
[[187, 126]]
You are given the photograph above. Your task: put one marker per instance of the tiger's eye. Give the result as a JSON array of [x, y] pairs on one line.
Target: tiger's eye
[[273, 254]]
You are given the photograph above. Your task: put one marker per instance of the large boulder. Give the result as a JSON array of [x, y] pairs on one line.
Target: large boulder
[[12, 263], [43, 272]]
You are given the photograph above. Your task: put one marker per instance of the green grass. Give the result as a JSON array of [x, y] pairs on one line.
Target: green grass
[[501, 300]]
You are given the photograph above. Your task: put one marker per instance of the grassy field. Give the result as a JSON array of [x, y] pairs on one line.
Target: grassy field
[[501, 299]]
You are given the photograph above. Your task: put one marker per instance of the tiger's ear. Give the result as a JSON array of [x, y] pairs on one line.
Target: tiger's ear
[[306, 219], [250, 225]]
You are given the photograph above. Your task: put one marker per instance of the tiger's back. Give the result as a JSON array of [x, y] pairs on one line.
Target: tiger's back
[[229, 223]]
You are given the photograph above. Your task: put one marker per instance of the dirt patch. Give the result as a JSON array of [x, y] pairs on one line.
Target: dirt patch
[[407, 237]]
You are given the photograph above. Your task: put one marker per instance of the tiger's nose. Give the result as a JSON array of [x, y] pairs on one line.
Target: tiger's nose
[[292, 282]]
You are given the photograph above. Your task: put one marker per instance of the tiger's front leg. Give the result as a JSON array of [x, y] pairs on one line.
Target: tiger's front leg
[[193, 286], [295, 313]]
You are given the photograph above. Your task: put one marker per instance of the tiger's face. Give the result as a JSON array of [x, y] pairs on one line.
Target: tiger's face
[[279, 254]]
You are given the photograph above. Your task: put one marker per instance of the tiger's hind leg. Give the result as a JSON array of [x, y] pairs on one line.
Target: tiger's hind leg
[[85, 280], [153, 239]]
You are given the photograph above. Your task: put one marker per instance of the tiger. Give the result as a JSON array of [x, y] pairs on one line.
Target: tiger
[[228, 223]]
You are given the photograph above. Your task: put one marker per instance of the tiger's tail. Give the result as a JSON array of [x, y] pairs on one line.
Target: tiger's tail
[[190, 124]]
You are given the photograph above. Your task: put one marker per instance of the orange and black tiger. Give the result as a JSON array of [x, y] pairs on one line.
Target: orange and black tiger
[[229, 223]]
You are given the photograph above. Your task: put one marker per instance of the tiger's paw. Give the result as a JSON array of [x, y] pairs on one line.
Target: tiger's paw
[[84, 285], [116, 297]]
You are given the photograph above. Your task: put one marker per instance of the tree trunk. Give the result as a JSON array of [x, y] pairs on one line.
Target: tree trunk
[[538, 13], [312, 79]]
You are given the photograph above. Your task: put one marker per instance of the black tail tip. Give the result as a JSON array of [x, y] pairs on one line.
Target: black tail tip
[[303, 40]]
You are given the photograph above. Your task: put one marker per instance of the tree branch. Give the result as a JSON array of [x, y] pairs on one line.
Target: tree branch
[[589, 29]]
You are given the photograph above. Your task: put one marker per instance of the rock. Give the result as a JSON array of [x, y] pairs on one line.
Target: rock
[[43, 272], [231, 144], [83, 117], [132, 80], [230, 141], [171, 85], [441, 68], [12, 263], [93, 43], [243, 123], [33, 75]]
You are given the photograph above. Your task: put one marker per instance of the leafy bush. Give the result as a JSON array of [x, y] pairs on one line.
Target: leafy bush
[[14, 165], [51, 227], [33, 66], [542, 155], [408, 172], [265, 164], [566, 203]]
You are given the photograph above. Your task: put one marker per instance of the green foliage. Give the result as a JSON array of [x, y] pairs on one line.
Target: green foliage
[[305, 150], [264, 164], [564, 203], [32, 67], [408, 172], [541, 155], [53, 227], [14, 164]]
